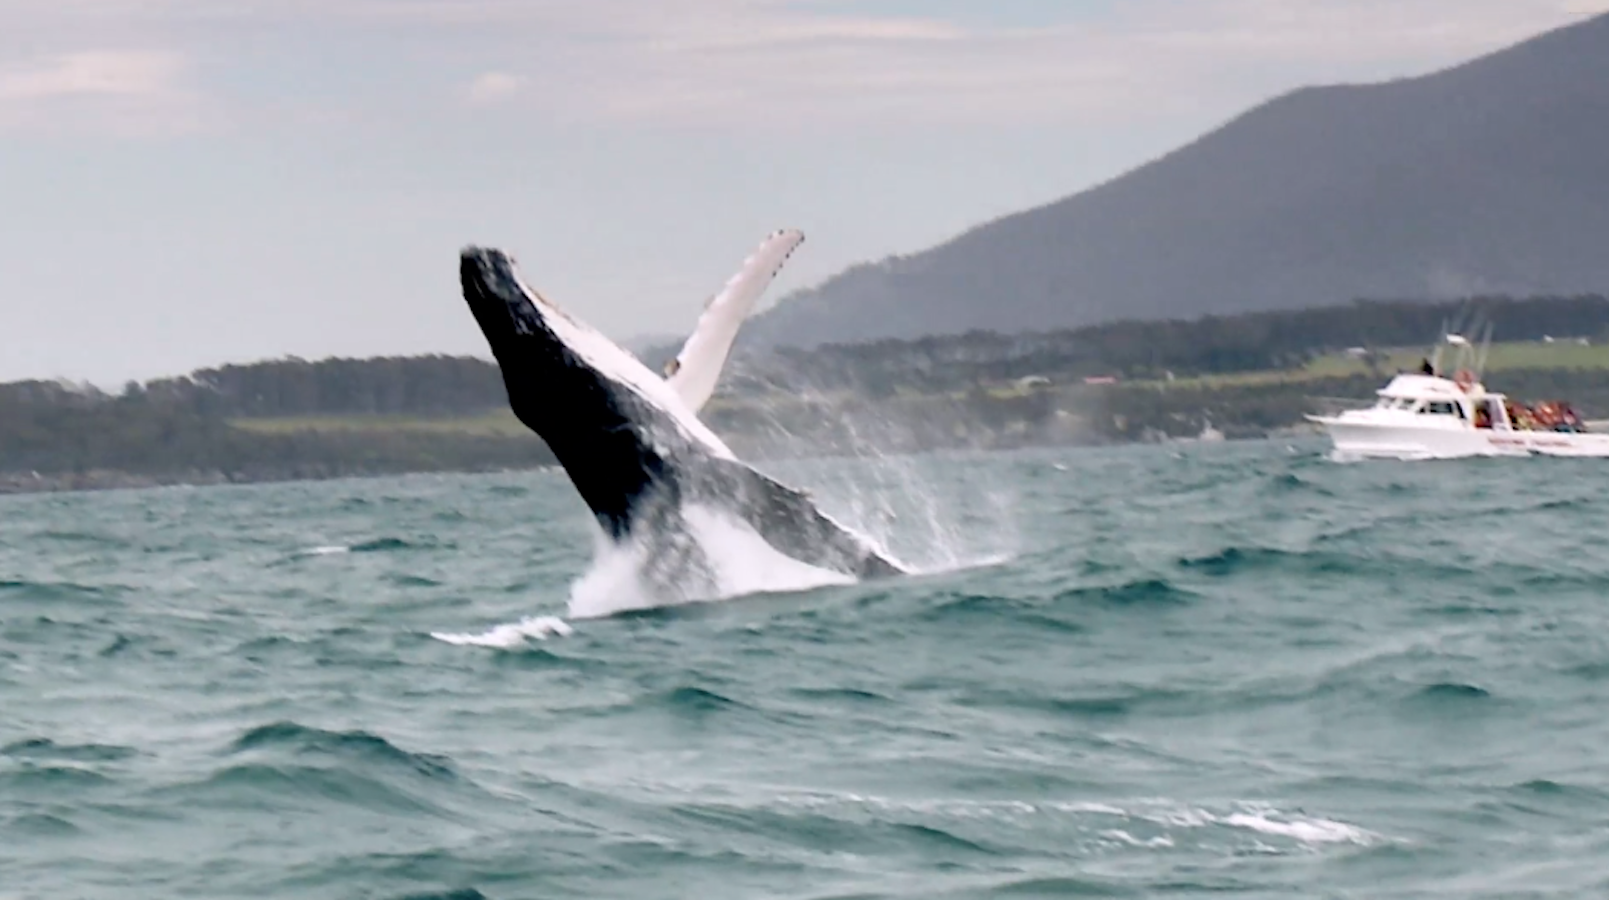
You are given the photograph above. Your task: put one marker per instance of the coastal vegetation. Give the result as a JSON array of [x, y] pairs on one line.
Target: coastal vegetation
[[1247, 375]]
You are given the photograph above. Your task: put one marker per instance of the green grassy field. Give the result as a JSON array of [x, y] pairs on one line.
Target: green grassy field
[[1503, 357], [1526, 355]]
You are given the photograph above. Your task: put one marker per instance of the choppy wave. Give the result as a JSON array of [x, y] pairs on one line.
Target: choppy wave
[[67, 592], [303, 740], [1144, 592], [1239, 671], [47, 749]]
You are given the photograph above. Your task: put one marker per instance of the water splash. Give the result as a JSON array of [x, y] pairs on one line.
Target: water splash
[[504, 637], [739, 563], [892, 498], [887, 498]]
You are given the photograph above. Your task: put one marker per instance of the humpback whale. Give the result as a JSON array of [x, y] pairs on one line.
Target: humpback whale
[[631, 441]]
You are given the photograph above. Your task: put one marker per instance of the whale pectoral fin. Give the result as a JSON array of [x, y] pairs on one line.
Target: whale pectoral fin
[[787, 520], [695, 371]]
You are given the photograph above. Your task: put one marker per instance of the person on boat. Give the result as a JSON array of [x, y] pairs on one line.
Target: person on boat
[[1425, 368], [1543, 412], [1519, 417], [1567, 420], [1483, 417]]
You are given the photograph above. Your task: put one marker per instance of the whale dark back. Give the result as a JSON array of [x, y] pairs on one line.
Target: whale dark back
[[590, 422]]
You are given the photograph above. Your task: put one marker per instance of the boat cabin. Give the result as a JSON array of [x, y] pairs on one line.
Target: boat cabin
[[1455, 403], [1465, 403]]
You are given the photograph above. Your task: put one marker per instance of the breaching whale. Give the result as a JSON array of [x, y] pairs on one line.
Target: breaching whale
[[631, 441]]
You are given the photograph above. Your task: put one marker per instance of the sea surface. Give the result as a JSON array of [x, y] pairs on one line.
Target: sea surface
[[1192, 671]]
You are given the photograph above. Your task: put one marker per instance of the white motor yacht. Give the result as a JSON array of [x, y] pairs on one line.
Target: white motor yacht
[[1428, 416]]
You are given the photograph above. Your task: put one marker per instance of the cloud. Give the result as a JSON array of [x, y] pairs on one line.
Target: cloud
[[96, 72], [799, 64], [130, 92], [806, 63], [491, 87]]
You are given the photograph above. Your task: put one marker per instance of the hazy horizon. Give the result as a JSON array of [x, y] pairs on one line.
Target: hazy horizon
[[194, 188]]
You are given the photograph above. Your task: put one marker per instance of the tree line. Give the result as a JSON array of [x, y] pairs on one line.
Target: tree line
[[1130, 350], [409, 386], [165, 433], [176, 427]]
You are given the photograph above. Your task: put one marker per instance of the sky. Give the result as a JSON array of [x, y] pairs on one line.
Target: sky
[[185, 183]]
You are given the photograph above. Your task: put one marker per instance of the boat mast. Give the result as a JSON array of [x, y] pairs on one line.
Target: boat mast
[[1486, 349]]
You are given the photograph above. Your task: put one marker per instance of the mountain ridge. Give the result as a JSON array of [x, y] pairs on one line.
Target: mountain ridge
[[1490, 176]]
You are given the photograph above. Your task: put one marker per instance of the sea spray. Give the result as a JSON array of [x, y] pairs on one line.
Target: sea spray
[[738, 562], [889, 499], [890, 503], [893, 500]]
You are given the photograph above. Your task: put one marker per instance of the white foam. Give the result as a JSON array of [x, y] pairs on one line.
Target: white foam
[[1307, 831], [326, 551], [745, 563], [614, 583], [741, 563], [1263, 820], [511, 635], [1172, 819], [1121, 836]]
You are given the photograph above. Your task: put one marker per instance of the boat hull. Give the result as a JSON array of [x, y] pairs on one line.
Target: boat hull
[[1363, 440]]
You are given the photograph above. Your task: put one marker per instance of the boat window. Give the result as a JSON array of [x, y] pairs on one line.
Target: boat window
[[1439, 408]]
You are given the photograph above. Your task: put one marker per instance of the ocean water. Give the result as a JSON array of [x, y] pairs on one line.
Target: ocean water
[[1199, 671]]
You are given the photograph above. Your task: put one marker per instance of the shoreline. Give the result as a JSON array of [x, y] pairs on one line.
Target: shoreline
[[97, 480]]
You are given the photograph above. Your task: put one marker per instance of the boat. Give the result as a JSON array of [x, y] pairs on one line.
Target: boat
[[1426, 415]]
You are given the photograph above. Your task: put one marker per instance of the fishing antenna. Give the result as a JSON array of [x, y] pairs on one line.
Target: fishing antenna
[[1486, 349]]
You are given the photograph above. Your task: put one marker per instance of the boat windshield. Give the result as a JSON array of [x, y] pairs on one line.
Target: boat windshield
[[1442, 408], [1394, 403]]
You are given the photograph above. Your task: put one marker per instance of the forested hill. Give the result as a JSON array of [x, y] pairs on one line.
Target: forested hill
[[442, 386], [1249, 342], [297, 419], [1491, 177], [196, 429], [414, 386]]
